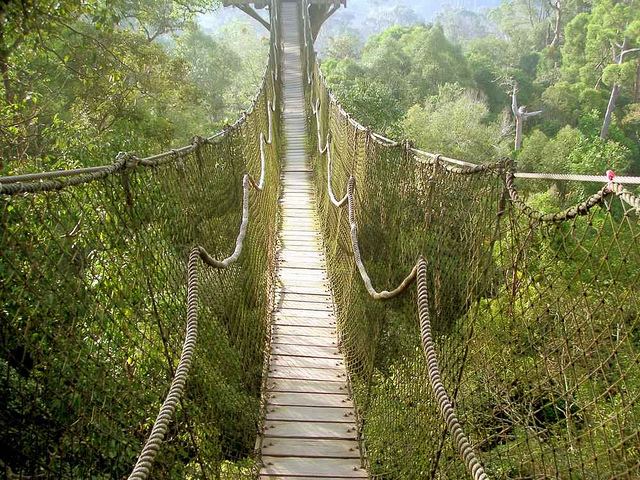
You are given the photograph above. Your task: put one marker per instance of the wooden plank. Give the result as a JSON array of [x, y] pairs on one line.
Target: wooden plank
[[293, 361], [300, 272], [305, 373], [303, 321], [305, 351], [306, 386], [309, 221], [302, 278], [303, 331], [294, 253], [316, 430], [291, 477], [311, 265], [288, 210], [297, 447], [320, 341], [316, 241], [303, 297], [300, 234], [299, 178], [292, 260], [313, 244], [309, 425], [294, 312], [304, 286], [314, 467], [311, 400], [310, 414], [304, 305]]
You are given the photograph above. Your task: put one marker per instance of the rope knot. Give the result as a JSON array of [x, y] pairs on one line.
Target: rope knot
[[128, 160], [197, 141]]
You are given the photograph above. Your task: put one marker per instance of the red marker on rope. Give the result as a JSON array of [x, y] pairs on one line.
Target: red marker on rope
[[610, 176]]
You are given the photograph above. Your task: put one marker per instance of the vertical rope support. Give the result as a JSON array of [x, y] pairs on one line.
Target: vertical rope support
[[145, 461], [353, 228], [444, 403]]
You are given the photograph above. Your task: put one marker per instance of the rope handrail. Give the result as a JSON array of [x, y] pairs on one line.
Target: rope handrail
[[462, 167], [571, 177], [332, 197], [418, 272], [444, 402], [579, 209], [353, 227], [152, 446], [52, 180]]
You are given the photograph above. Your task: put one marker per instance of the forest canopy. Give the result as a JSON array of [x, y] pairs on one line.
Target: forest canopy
[[572, 66], [82, 81]]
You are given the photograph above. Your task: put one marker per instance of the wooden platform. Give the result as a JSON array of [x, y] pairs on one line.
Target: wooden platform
[[309, 429]]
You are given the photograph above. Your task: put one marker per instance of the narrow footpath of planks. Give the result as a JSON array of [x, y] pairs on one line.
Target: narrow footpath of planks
[[309, 429]]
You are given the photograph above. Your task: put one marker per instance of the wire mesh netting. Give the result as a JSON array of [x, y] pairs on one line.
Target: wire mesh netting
[[534, 318], [93, 287]]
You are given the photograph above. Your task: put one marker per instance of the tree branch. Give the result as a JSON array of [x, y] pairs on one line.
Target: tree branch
[[253, 14]]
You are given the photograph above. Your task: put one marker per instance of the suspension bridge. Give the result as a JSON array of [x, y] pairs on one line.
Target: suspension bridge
[[135, 344]]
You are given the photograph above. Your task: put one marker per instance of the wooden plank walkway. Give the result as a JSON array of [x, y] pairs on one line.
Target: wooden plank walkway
[[309, 429]]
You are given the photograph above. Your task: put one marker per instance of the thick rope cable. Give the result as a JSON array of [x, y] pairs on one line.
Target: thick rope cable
[[315, 107], [332, 198], [418, 272], [576, 178], [270, 139], [444, 403], [625, 195], [442, 397], [43, 182], [574, 211], [383, 295], [244, 224], [471, 167], [152, 446], [247, 181]]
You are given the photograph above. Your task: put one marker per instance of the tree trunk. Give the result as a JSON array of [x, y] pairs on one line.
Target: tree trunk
[[518, 132], [4, 66], [636, 90], [556, 30], [615, 92]]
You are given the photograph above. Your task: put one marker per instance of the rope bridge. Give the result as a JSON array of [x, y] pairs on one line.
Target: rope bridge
[[516, 354]]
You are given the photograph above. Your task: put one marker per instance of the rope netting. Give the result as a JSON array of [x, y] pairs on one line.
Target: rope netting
[[94, 331], [518, 355]]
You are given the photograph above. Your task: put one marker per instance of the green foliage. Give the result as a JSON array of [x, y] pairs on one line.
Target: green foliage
[[398, 68], [571, 151], [83, 82], [535, 323], [454, 123], [92, 282], [92, 278]]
